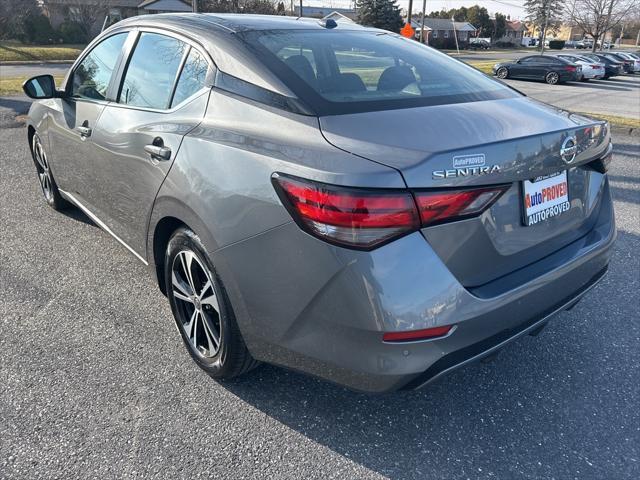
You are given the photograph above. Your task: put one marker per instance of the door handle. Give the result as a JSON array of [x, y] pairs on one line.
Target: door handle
[[84, 131], [158, 150]]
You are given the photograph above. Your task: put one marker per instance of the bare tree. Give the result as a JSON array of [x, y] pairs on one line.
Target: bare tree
[[597, 17], [88, 13], [13, 14]]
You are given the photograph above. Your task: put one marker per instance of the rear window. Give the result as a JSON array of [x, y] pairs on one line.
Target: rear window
[[344, 71]]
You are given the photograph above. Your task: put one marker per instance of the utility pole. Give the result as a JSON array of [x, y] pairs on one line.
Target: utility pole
[[455, 34], [194, 5], [424, 7], [409, 12]]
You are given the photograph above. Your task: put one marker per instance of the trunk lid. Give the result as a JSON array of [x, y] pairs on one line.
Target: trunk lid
[[485, 143]]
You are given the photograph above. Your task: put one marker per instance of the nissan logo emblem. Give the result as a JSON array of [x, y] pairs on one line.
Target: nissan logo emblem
[[569, 149]]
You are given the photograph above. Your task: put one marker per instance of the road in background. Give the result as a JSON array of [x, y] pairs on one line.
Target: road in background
[[95, 382], [28, 70], [617, 96]]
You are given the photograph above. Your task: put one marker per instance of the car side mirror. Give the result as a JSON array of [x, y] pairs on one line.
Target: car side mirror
[[42, 86]]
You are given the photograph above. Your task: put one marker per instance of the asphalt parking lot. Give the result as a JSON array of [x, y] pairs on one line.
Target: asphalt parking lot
[[618, 96], [95, 383]]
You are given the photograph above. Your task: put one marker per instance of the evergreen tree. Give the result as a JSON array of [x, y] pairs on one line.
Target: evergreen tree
[[544, 13], [479, 17], [501, 26], [384, 14]]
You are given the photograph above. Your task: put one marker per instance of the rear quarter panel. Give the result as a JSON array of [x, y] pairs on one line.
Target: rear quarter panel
[[221, 178]]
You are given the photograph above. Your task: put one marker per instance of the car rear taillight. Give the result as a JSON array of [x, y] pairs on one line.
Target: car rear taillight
[[348, 216], [366, 218], [438, 207], [570, 68]]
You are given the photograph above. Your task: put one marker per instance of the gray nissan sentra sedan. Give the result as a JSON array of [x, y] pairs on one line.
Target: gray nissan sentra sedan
[[326, 197]]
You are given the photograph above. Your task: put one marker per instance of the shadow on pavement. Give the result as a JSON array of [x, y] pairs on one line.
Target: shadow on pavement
[[494, 415], [17, 105]]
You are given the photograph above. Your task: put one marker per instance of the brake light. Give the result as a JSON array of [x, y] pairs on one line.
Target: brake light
[[362, 218], [570, 68], [416, 335], [348, 216], [437, 207]]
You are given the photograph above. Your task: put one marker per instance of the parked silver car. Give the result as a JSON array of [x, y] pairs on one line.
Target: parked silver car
[[590, 69], [328, 197]]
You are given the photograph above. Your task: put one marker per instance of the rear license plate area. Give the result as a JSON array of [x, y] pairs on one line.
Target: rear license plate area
[[545, 197]]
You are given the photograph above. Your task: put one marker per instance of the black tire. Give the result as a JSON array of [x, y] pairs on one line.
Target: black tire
[[502, 73], [45, 176], [231, 357], [552, 78]]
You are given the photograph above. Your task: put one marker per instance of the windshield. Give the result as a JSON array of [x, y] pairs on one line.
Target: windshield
[[345, 71]]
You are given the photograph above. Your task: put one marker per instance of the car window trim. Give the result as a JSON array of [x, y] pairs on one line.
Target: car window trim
[[209, 82], [68, 80], [185, 55]]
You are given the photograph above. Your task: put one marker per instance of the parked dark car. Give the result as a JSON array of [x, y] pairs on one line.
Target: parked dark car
[[479, 45], [628, 64], [552, 70], [612, 67]]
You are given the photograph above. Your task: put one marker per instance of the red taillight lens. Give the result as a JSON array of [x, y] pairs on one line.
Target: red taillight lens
[[437, 207], [416, 335], [362, 218], [570, 68], [349, 216]]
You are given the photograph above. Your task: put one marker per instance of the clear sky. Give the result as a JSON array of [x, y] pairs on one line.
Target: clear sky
[[508, 7]]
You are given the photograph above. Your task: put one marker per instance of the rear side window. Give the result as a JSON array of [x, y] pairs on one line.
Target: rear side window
[[192, 78], [151, 73], [91, 77], [348, 71]]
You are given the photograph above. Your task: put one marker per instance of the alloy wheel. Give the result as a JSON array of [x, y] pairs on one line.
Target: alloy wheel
[[44, 173], [503, 72], [198, 310], [552, 78]]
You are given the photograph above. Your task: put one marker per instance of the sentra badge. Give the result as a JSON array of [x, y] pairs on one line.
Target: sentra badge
[[466, 166]]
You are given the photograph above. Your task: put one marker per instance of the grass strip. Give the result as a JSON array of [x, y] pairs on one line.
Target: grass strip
[[42, 53], [13, 85]]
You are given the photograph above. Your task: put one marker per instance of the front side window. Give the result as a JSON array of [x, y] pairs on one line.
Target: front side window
[[150, 75], [345, 72], [192, 78], [92, 76]]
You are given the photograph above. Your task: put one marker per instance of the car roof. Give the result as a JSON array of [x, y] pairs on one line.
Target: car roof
[[217, 35], [235, 23]]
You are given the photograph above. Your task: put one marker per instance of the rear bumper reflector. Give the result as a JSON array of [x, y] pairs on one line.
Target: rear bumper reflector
[[417, 335]]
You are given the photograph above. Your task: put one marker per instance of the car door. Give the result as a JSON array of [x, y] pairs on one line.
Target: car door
[[75, 115], [540, 65], [524, 67], [163, 93]]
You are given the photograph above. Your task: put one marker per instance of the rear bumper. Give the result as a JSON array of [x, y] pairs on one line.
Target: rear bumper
[[309, 306], [490, 345]]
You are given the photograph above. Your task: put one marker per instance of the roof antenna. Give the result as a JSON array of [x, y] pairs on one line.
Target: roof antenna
[[328, 23]]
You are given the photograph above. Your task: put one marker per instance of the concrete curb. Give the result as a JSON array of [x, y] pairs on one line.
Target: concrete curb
[[35, 62]]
